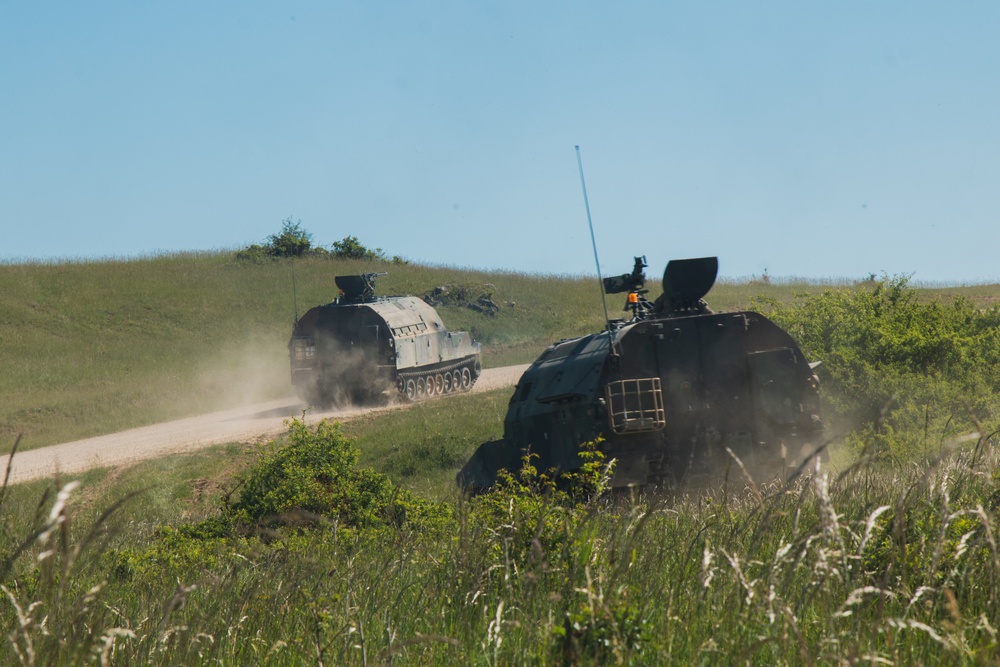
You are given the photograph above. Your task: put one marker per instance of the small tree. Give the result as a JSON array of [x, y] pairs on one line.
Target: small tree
[[292, 241]]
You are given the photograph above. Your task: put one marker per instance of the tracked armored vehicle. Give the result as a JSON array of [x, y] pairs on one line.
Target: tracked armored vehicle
[[670, 389], [361, 347]]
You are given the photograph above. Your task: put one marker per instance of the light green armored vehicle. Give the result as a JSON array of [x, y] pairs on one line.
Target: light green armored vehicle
[[361, 348]]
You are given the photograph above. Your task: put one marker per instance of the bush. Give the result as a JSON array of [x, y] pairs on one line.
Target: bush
[[294, 241], [309, 481], [350, 248], [314, 476], [904, 371]]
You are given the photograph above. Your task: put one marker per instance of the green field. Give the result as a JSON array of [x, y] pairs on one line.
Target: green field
[[888, 555], [91, 348]]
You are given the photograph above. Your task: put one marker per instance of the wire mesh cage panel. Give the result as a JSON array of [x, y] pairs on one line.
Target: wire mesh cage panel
[[635, 405]]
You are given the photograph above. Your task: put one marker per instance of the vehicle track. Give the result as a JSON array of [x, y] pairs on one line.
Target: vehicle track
[[260, 421]]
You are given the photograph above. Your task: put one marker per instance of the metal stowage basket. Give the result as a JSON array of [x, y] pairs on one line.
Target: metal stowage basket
[[635, 405]]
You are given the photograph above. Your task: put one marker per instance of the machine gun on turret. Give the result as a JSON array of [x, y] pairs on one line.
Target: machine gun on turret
[[633, 283]]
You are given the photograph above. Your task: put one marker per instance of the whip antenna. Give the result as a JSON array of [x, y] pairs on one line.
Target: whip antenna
[[586, 204], [295, 299]]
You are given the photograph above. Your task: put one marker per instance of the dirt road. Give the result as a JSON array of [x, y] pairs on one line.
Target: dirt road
[[248, 423]]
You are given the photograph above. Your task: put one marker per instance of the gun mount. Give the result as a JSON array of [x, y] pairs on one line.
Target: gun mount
[[358, 289], [627, 282]]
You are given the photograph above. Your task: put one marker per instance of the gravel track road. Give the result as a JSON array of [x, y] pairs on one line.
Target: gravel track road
[[249, 423]]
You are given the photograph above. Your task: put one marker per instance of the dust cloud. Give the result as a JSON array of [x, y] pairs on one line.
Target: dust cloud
[[347, 377], [255, 369]]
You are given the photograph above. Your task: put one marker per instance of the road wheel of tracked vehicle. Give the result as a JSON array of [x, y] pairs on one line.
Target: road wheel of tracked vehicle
[[438, 384], [421, 387], [466, 379], [456, 379], [430, 385], [447, 383], [411, 390]]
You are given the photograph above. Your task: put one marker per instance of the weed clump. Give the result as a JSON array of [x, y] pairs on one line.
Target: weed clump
[[530, 518], [541, 531]]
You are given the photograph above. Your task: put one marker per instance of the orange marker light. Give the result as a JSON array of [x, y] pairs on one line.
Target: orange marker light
[[633, 297]]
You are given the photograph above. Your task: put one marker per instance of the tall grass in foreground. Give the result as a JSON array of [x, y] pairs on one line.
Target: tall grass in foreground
[[879, 563]]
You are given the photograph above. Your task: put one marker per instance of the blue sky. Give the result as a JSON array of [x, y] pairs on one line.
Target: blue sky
[[807, 139]]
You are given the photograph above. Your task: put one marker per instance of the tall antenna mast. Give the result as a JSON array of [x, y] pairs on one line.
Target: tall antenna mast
[[295, 299], [586, 203]]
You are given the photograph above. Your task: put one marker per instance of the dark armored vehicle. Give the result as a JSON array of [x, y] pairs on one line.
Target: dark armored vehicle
[[360, 345], [669, 390]]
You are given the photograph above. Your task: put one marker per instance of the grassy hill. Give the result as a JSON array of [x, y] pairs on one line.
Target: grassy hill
[[97, 347], [893, 559], [90, 348]]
